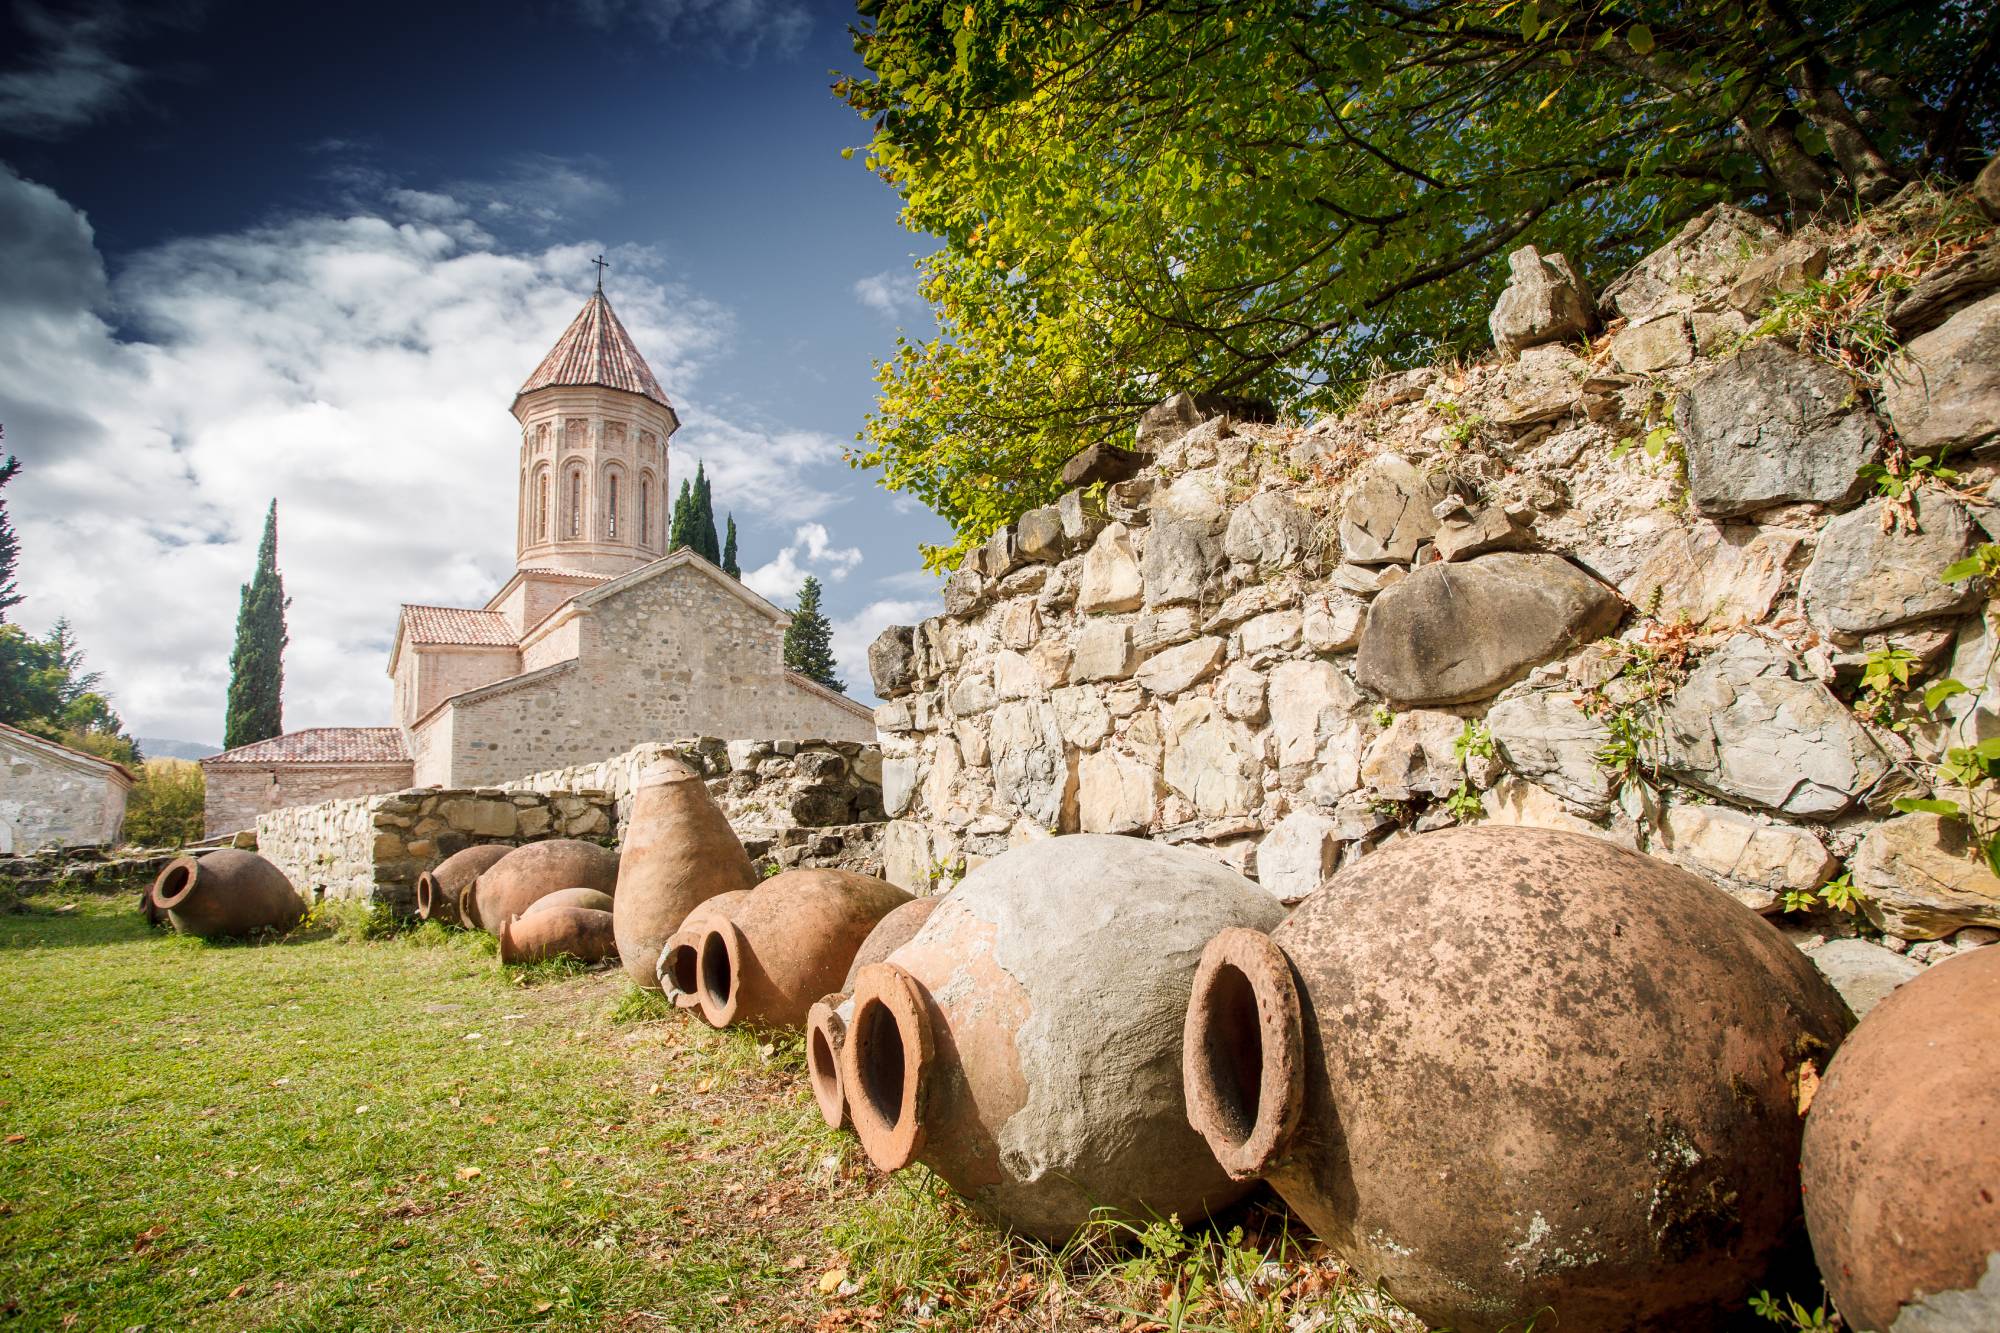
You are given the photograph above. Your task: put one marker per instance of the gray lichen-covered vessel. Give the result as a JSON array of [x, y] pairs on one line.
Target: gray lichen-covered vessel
[[1025, 1043]]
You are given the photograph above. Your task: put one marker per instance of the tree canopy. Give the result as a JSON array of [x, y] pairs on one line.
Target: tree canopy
[[1272, 198], [693, 524], [45, 690], [257, 665]]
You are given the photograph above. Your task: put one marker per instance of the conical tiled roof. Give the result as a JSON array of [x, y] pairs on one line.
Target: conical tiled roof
[[596, 350]]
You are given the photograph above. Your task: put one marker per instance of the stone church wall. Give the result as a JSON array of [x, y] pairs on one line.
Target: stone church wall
[[237, 796], [722, 674], [1626, 585], [50, 802]]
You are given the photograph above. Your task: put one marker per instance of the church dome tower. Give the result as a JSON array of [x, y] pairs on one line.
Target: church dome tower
[[594, 432]]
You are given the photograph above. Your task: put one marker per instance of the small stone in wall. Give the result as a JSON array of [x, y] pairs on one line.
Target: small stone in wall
[[1790, 266], [1717, 576], [1753, 859], [1165, 421], [1241, 693], [1545, 301], [1177, 669], [1213, 762], [1103, 652], [1870, 575], [1546, 737], [1922, 878], [1770, 426], [1388, 512], [899, 786], [1416, 757], [1181, 555], [1081, 716], [1460, 632], [1943, 390], [1863, 972], [1516, 803], [1657, 344], [892, 661], [1333, 622], [1751, 725], [1270, 532], [1030, 768], [1115, 794], [964, 590], [1082, 518], [1492, 528], [1267, 636]]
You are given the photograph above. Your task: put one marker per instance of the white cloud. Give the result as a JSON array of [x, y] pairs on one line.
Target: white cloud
[[888, 293], [811, 552], [70, 75], [741, 29], [853, 634], [358, 368]]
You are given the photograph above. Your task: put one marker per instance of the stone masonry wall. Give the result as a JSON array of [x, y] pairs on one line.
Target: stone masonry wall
[[236, 796], [372, 848], [46, 801], [815, 803], [1624, 578]]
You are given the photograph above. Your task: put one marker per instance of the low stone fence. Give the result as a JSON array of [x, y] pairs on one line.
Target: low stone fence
[[372, 848], [794, 803]]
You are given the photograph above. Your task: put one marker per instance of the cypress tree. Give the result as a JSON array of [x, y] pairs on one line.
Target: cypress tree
[[703, 537], [10, 548], [257, 666], [809, 639], [677, 532], [729, 565]]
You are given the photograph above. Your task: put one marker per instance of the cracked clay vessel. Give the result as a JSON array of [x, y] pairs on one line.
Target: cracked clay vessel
[[1519, 1075], [1902, 1155], [226, 893], [826, 1021], [788, 942], [679, 852], [557, 930], [438, 888], [1025, 1043], [514, 883]]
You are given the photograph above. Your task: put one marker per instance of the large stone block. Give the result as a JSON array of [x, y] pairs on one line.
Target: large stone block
[[1031, 769], [1868, 576], [1298, 854], [1750, 725], [892, 661], [1943, 391], [1181, 555], [1545, 301], [1180, 668], [1271, 531], [1922, 878], [1318, 724], [1717, 576], [1455, 633], [1214, 763], [1116, 794], [1547, 738], [1111, 580], [481, 819], [1862, 971], [1706, 254], [1103, 652], [1389, 512], [1772, 426]]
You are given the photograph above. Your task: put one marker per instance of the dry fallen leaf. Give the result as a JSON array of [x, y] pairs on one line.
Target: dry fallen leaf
[[704, 1085], [148, 1236], [489, 1120], [238, 1290], [543, 1307], [17, 1138], [468, 1173], [1808, 1086], [830, 1280]]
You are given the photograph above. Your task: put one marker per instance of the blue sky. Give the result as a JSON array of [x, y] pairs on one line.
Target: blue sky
[[307, 251]]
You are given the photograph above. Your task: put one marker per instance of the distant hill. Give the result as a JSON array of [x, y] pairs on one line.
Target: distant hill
[[154, 747]]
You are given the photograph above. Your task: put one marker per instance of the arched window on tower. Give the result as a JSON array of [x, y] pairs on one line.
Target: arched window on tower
[[611, 505], [575, 505], [542, 505], [645, 511]]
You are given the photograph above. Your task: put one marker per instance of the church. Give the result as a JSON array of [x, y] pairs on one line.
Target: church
[[600, 640]]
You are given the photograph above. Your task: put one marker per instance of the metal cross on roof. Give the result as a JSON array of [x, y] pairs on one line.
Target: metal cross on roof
[[601, 266]]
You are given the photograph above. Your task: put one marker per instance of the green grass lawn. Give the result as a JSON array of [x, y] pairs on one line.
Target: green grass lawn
[[329, 1132]]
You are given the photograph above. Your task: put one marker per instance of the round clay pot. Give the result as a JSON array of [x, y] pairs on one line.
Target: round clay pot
[[226, 893], [1025, 1043], [439, 887], [582, 933], [786, 944], [1519, 1075], [593, 899], [826, 1021], [511, 885], [679, 852], [678, 969], [1902, 1149]]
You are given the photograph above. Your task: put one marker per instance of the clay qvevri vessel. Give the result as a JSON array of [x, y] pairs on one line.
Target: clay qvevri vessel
[[226, 893], [511, 885], [582, 933], [1902, 1148], [678, 969], [1025, 1043], [438, 888], [789, 942], [595, 900], [1519, 1075], [826, 1021], [679, 852]]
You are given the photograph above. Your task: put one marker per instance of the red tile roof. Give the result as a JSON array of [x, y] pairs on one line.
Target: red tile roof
[[551, 571], [457, 624], [322, 745], [596, 350]]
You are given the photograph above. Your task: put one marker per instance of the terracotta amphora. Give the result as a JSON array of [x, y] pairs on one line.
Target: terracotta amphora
[[765, 961], [226, 893], [1025, 1043], [678, 968], [826, 1021], [1519, 1076], [439, 887], [1902, 1156], [595, 900], [583, 933], [679, 852], [512, 884]]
